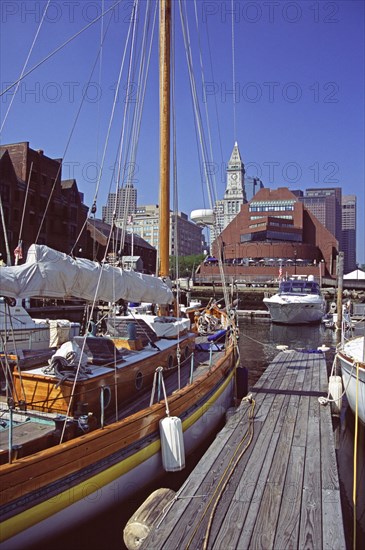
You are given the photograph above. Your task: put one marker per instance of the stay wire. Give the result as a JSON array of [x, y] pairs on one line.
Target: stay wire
[[214, 184], [59, 48], [111, 118], [25, 65], [131, 153], [233, 74], [70, 137]]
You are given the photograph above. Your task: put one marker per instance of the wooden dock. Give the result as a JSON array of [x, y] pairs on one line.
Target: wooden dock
[[270, 478]]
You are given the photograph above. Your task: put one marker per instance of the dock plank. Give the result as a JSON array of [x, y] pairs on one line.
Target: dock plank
[[287, 533], [310, 535], [274, 488]]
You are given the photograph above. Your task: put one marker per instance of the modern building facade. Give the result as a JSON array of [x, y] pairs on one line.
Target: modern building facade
[[37, 206], [252, 186], [120, 205], [185, 236], [274, 235], [326, 205], [349, 232]]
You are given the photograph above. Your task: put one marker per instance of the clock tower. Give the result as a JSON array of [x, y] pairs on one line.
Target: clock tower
[[235, 189], [226, 209]]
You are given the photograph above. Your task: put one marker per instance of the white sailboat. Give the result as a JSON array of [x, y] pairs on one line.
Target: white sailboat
[[351, 356]]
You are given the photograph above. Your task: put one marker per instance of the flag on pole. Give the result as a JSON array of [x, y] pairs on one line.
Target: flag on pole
[[18, 252]]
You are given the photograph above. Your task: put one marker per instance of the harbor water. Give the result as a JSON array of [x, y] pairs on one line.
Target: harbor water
[[259, 339]]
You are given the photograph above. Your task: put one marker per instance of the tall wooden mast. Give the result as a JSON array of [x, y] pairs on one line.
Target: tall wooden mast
[[164, 47]]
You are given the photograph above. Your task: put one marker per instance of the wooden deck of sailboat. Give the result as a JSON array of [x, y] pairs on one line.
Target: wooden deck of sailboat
[[271, 482], [31, 429]]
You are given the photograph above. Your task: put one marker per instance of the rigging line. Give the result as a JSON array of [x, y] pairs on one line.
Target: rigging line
[[70, 137], [200, 153], [205, 99], [2, 216], [187, 43], [117, 88], [79, 235], [25, 201], [142, 78], [354, 488], [215, 97], [124, 125], [79, 366], [99, 80], [7, 370], [233, 74], [128, 88], [147, 65], [25, 65], [139, 101], [8, 315], [59, 48], [193, 90], [175, 189]]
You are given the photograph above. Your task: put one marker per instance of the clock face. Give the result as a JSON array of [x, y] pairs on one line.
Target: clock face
[[233, 177]]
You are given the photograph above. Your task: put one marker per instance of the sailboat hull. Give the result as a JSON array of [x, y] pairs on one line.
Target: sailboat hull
[[81, 478], [353, 375]]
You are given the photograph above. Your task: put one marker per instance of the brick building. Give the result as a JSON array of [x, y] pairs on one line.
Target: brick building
[[133, 245], [38, 207], [273, 232]]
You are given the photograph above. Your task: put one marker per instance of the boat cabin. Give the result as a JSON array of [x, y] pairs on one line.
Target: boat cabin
[[299, 287]]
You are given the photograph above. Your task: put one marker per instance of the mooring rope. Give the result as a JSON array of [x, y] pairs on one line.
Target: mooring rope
[[228, 472]]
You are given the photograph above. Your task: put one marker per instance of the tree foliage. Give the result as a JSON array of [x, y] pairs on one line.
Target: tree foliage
[[186, 265]]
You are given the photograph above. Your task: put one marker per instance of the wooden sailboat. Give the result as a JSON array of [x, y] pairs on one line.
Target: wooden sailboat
[[88, 432]]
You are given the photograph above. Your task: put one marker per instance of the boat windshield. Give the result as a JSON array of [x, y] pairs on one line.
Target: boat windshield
[[299, 287]]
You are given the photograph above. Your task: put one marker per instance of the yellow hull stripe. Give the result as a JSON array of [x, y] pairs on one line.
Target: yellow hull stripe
[[42, 511]]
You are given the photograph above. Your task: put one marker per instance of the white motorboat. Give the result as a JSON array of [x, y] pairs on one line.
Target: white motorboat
[[351, 356], [19, 331], [297, 302]]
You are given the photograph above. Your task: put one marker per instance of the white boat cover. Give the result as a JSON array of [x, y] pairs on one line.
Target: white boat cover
[[166, 327], [52, 274]]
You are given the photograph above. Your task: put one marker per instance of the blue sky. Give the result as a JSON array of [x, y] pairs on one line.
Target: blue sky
[[298, 101]]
